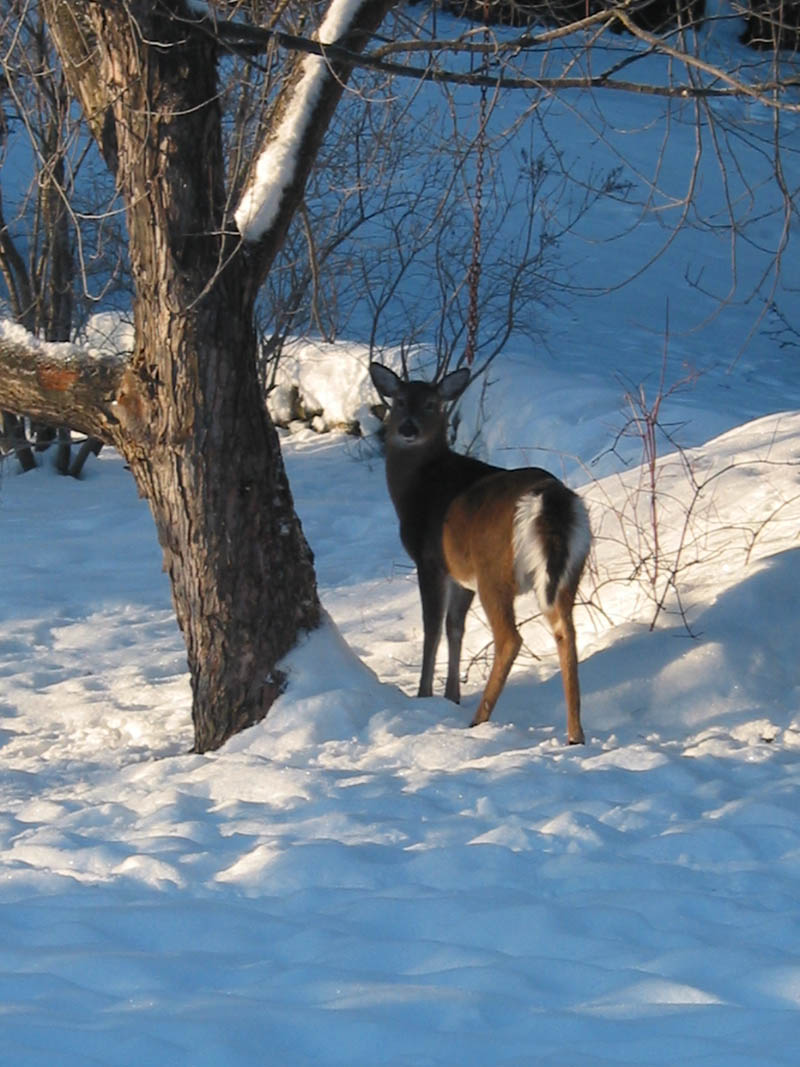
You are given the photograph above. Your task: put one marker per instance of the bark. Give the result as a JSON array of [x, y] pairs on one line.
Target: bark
[[241, 572], [63, 384], [190, 419], [40, 292], [56, 275], [187, 410], [15, 275]]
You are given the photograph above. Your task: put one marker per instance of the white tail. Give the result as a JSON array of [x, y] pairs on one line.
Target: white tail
[[471, 527]]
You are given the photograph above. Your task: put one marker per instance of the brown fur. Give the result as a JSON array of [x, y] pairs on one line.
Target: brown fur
[[457, 519]]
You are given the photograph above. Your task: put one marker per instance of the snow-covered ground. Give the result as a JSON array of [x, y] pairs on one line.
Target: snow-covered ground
[[361, 879]]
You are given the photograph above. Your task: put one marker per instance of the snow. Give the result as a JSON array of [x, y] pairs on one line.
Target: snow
[[333, 383], [275, 167], [12, 333], [106, 335], [360, 879]]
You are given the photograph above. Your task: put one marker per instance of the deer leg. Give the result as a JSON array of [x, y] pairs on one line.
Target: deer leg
[[499, 610], [560, 619], [458, 602], [433, 593]]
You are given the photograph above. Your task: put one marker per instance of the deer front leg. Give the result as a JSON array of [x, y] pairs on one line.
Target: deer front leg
[[433, 594], [458, 602]]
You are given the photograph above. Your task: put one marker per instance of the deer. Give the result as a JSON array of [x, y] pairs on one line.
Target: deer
[[472, 527]]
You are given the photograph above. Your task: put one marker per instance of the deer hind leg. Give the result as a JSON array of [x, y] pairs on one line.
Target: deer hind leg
[[458, 602], [498, 603], [560, 618]]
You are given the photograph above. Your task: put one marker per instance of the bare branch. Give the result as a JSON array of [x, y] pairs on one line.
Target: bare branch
[[760, 91], [245, 39], [76, 41]]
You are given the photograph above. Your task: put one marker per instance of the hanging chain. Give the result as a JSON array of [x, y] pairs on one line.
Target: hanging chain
[[474, 270]]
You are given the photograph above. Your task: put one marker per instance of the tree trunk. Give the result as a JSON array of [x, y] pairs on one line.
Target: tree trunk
[[188, 412], [204, 452], [241, 572], [54, 276], [192, 422], [14, 440]]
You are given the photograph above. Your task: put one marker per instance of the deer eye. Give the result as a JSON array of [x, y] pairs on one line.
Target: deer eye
[[430, 407]]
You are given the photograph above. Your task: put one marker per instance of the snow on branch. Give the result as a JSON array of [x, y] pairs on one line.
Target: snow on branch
[[62, 383], [276, 167]]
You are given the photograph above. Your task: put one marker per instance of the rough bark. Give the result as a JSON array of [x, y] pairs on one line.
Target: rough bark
[[15, 274], [40, 291], [62, 384], [191, 422]]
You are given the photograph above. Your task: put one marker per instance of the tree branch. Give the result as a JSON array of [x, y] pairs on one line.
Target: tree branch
[[64, 384], [15, 274], [248, 40], [297, 124], [76, 42], [737, 87]]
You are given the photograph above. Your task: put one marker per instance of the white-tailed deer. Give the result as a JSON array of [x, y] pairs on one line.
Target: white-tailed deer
[[471, 527]]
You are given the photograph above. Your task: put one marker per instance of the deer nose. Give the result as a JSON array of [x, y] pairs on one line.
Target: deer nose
[[408, 429]]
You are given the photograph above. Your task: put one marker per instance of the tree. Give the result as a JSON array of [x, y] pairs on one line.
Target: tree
[[204, 229], [187, 410]]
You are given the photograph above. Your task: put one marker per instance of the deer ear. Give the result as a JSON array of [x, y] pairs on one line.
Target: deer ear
[[385, 381], [453, 385]]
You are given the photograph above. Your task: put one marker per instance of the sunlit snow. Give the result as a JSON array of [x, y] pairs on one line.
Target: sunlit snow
[[361, 879]]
